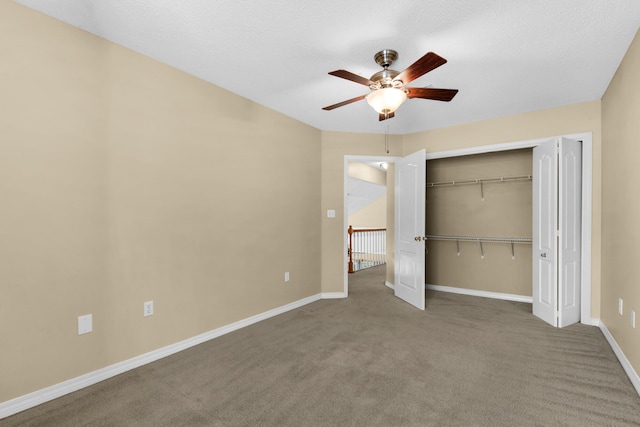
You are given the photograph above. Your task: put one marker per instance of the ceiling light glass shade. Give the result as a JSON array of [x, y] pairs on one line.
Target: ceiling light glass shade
[[386, 100]]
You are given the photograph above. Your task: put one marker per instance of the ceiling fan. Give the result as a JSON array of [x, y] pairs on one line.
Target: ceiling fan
[[389, 88]]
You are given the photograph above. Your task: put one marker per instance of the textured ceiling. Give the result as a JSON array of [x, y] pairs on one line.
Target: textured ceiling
[[505, 57]]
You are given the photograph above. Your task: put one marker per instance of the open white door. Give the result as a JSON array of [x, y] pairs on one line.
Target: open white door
[[570, 236], [411, 172], [557, 231], [545, 224]]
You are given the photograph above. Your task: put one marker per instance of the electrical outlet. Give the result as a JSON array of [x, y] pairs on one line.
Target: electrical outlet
[[148, 308], [620, 305], [85, 324], [633, 319], [286, 276]]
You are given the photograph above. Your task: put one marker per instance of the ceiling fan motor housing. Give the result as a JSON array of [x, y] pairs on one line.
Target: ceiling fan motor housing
[[385, 78]]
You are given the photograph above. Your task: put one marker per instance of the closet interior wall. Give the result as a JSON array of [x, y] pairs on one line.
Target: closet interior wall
[[495, 209]]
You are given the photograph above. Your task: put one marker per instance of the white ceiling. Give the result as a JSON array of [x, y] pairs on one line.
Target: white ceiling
[[505, 56]]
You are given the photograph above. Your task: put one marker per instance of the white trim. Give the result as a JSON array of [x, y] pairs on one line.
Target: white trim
[[593, 322], [507, 146], [626, 365], [332, 295], [484, 294], [27, 401], [587, 206], [389, 285], [482, 149]]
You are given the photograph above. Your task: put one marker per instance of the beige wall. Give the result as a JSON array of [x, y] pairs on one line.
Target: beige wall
[[505, 211], [584, 117], [374, 215], [621, 204], [367, 173], [123, 180]]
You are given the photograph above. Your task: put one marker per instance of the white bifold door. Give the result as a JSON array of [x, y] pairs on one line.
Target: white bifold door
[[410, 188], [557, 213]]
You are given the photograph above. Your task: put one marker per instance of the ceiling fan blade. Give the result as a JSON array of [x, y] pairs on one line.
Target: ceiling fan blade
[[382, 117], [348, 101], [351, 76], [431, 93], [428, 62]]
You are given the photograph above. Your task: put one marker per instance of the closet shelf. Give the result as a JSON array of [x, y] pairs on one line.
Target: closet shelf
[[480, 181], [524, 240], [511, 240]]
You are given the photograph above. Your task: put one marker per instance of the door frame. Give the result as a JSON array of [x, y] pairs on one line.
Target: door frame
[[587, 197]]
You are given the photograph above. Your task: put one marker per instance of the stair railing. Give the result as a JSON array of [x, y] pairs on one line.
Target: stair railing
[[367, 248]]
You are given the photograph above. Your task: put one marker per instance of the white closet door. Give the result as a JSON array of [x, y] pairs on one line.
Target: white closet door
[[570, 236], [411, 172], [557, 231], [545, 242]]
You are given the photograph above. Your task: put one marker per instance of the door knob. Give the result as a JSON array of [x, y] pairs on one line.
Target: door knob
[[417, 238], [543, 255]]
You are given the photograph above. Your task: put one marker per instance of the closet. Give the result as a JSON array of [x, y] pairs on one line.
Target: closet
[[532, 198], [479, 223], [509, 221]]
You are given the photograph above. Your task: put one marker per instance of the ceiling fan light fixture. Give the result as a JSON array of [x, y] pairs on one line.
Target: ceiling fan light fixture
[[389, 88], [386, 100]]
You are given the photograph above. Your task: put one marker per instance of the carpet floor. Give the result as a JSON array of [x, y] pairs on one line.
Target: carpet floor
[[371, 360]]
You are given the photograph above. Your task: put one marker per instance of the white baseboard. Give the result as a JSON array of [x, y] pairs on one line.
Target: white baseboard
[[389, 285], [595, 322], [626, 365], [38, 397], [332, 295], [484, 294]]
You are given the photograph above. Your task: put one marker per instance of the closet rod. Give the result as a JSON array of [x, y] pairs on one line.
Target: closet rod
[[524, 240], [480, 180]]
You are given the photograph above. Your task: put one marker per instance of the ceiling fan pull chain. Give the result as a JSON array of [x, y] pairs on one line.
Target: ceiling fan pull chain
[[386, 140]]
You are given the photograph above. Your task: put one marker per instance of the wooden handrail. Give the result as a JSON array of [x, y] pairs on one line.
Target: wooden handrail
[[360, 230]]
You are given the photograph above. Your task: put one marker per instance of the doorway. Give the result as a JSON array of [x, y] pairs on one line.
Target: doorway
[[354, 201]]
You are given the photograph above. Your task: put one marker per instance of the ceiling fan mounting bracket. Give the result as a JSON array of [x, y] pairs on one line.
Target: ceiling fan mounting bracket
[[386, 57]]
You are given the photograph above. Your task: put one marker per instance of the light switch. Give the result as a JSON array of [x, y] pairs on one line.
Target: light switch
[[148, 308], [331, 213]]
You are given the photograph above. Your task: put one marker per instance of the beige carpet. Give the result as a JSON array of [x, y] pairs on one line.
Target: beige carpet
[[371, 360]]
